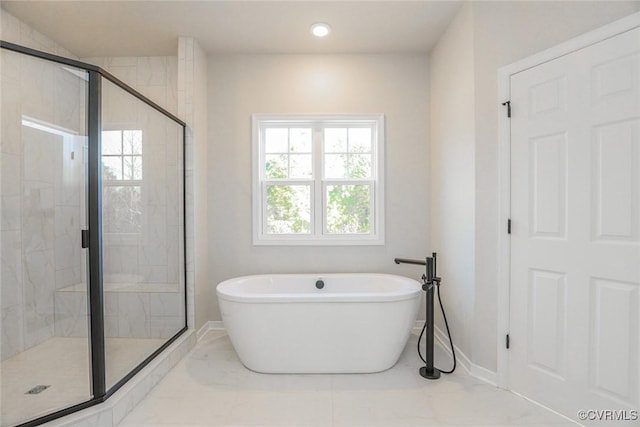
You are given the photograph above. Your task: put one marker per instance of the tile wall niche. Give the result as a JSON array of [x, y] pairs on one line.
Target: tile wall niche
[[42, 187]]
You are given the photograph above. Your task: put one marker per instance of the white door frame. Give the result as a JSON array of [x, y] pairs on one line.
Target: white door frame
[[504, 137]]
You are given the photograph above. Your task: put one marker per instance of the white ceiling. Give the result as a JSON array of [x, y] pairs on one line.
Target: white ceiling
[[143, 27]]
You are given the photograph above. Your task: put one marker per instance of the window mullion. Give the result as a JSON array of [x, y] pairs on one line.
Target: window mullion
[[288, 152], [122, 154], [318, 189], [263, 207]]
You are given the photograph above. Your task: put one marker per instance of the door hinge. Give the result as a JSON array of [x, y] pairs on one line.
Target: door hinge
[[508, 104], [507, 341], [509, 226], [84, 235]]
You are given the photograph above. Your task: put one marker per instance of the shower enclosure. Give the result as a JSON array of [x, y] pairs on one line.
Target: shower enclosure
[[92, 234]]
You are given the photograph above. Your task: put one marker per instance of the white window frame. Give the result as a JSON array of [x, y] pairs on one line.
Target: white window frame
[[318, 235]]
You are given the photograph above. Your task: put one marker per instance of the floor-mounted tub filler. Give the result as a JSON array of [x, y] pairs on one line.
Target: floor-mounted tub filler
[[430, 283], [319, 323]]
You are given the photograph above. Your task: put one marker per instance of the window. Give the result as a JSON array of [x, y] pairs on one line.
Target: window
[[318, 180], [121, 181]]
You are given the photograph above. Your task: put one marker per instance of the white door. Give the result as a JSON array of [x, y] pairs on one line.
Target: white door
[[575, 244]]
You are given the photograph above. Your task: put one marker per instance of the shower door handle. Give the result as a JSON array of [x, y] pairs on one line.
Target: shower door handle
[[84, 237]]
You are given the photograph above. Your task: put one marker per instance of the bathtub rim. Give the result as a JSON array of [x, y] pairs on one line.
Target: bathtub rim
[[412, 290]]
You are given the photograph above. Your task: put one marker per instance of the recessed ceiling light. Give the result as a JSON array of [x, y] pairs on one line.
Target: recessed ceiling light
[[320, 29]]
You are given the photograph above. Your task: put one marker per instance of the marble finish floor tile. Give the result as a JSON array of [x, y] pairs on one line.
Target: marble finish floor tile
[[210, 387], [63, 364]]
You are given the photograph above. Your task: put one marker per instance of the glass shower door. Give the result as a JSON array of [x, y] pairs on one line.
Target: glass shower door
[[142, 224], [45, 352]]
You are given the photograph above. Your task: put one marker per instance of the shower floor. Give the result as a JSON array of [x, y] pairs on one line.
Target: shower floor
[[63, 364]]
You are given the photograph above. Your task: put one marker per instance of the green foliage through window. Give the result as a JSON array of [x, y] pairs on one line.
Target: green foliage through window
[[348, 209], [288, 209]]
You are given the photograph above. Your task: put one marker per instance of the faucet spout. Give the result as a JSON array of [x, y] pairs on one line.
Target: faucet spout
[[409, 261]]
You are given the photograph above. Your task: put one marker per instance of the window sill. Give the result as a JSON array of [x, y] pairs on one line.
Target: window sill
[[304, 241]]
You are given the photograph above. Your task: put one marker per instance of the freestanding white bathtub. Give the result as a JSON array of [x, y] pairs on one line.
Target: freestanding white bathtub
[[284, 324]]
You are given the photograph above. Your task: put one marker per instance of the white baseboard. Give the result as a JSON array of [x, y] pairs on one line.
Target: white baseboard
[[208, 326], [484, 374], [547, 408]]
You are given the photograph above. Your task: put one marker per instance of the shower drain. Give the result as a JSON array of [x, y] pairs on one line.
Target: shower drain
[[37, 389]]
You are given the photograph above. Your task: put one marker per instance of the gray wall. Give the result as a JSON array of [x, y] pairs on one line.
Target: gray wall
[[239, 85], [502, 33], [453, 173]]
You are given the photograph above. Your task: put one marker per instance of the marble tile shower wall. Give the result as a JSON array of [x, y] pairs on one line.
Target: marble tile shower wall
[[154, 311], [42, 186], [153, 259], [41, 200], [141, 274], [192, 90]]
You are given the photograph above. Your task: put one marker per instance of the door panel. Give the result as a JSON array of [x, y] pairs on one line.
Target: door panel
[[575, 244], [614, 305], [548, 180], [615, 174], [547, 318]]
